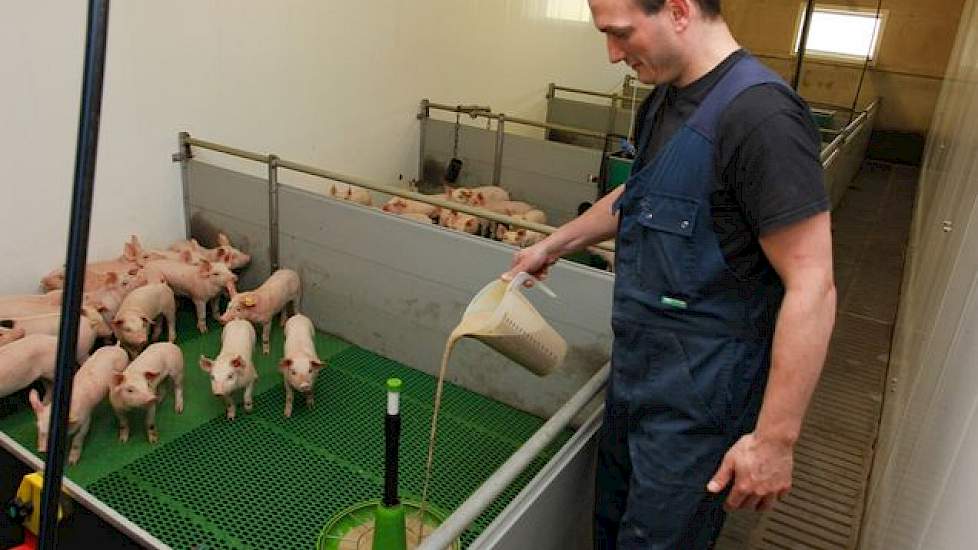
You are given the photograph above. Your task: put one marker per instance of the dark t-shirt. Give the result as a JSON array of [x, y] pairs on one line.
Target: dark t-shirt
[[768, 158]]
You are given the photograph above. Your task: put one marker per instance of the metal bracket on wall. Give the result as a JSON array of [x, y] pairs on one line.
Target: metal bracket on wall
[[273, 164], [183, 156]]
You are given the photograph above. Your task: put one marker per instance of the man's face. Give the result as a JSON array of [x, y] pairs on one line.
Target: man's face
[[646, 43]]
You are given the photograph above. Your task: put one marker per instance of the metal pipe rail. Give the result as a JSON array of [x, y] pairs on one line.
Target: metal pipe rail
[[847, 132], [484, 496], [612, 96], [360, 182], [523, 121]]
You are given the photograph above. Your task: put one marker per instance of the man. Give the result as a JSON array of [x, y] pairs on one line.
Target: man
[[724, 298]]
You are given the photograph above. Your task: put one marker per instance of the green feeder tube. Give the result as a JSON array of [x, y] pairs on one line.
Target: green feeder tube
[[389, 527]]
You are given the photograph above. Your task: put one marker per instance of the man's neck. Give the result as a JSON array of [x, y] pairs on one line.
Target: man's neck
[[710, 45]]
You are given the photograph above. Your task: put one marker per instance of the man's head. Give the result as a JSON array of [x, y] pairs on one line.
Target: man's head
[[656, 38]]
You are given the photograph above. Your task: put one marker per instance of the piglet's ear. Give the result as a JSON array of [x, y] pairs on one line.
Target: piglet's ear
[[223, 240], [237, 362], [117, 323], [117, 378], [316, 365], [186, 257], [205, 363], [111, 278], [285, 364], [150, 375]]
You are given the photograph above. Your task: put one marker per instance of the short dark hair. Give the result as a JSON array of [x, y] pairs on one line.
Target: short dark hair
[[711, 8]]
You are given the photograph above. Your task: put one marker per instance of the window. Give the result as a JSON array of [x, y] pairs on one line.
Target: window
[[842, 33], [576, 11]]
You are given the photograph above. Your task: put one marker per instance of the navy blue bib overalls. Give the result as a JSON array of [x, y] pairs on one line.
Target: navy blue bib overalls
[[692, 343]]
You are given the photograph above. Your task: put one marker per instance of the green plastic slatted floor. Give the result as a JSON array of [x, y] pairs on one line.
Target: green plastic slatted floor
[[266, 481]]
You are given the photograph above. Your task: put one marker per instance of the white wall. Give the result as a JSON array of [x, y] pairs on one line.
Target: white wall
[[328, 83], [924, 487]]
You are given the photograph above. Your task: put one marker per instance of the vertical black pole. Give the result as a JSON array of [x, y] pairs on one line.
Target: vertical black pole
[[81, 208], [392, 436], [392, 429], [803, 45]]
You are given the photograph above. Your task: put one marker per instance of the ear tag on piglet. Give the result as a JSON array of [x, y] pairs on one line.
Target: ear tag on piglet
[[248, 301]]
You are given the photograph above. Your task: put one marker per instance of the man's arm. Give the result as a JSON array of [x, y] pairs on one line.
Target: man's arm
[[596, 225], [761, 462]]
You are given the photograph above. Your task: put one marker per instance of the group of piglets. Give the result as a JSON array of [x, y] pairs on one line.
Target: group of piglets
[[125, 298], [492, 198], [234, 370]]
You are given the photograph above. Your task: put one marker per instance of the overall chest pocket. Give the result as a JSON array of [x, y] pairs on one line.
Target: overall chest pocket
[[667, 252]]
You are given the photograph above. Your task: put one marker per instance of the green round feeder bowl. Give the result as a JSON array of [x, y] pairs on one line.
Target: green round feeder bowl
[[343, 524]]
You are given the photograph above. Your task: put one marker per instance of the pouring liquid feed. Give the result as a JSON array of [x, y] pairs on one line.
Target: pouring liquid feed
[[502, 318]]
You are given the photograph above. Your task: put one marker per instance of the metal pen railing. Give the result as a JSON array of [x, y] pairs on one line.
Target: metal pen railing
[[846, 133], [275, 163], [424, 113]]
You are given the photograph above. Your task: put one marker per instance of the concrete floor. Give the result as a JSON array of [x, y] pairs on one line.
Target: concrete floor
[[835, 452]]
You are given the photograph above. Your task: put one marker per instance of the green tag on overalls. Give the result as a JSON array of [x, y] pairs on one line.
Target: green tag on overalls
[[673, 302]]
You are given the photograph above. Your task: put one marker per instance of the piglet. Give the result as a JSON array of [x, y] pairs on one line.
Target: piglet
[[107, 301], [8, 335], [224, 253], [29, 306], [351, 193], [300, 364], [96, 272], [519, 237], [535, 216], [50, 298], [261, 305], [476, 196], [50, 324], [463, 222], [25, 360], [399, 205], [201, 283], [140, 386], [508, 208], [233, 369], [139, 312], [90, 386]]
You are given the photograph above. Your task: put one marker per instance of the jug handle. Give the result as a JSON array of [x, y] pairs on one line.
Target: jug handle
[[522, 277]]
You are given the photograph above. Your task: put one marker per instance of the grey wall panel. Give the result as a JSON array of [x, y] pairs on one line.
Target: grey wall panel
[[589, 116], [553, 176], [398, 287], [555, 510]]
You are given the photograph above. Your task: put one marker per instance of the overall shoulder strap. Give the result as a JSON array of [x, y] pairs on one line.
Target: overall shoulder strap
[[745, 74]]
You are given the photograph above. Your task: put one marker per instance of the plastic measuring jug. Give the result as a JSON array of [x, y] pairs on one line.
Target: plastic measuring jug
[[502, 318]]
